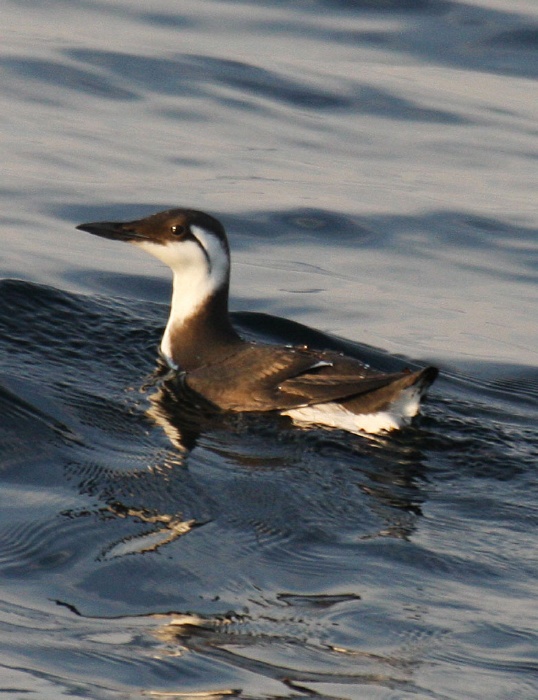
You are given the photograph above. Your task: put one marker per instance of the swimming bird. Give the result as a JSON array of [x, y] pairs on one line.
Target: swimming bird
[[312, 387]]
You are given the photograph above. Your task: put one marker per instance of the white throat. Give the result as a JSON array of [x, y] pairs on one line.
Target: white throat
[[200, 269]]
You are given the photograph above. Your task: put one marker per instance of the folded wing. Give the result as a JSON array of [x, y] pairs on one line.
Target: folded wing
[[269, 378]]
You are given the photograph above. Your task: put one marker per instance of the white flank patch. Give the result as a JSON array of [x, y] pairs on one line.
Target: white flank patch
[[334, 415], [195, 278]]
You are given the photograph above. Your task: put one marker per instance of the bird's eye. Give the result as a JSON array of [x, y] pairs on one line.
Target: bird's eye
[[178, 230]]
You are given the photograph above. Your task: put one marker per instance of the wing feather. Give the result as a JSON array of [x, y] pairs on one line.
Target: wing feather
[[269, 378]]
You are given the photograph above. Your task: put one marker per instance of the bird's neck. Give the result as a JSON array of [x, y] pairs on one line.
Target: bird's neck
[[199, 330]]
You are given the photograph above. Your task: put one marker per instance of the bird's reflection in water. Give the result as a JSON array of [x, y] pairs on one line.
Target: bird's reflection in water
[[257, 470], [181, 413]]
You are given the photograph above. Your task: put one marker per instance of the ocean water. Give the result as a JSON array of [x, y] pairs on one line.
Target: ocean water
[[375, 165]]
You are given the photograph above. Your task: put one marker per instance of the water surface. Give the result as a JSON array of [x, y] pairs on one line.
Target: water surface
[[375, 165]]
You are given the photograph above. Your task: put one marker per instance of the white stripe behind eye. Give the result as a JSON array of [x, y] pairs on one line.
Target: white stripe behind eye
[[216, 254], [201, 236]]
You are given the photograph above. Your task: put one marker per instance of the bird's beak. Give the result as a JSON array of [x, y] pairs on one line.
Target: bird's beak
[[113, 230]]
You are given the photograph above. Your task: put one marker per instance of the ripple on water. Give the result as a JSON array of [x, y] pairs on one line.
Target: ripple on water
[[306, 559]]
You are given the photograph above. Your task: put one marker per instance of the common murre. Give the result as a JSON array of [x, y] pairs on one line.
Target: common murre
[[313, 387]]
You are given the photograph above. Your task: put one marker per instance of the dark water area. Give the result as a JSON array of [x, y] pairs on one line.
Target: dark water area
[[265, 557], [375, 166]]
